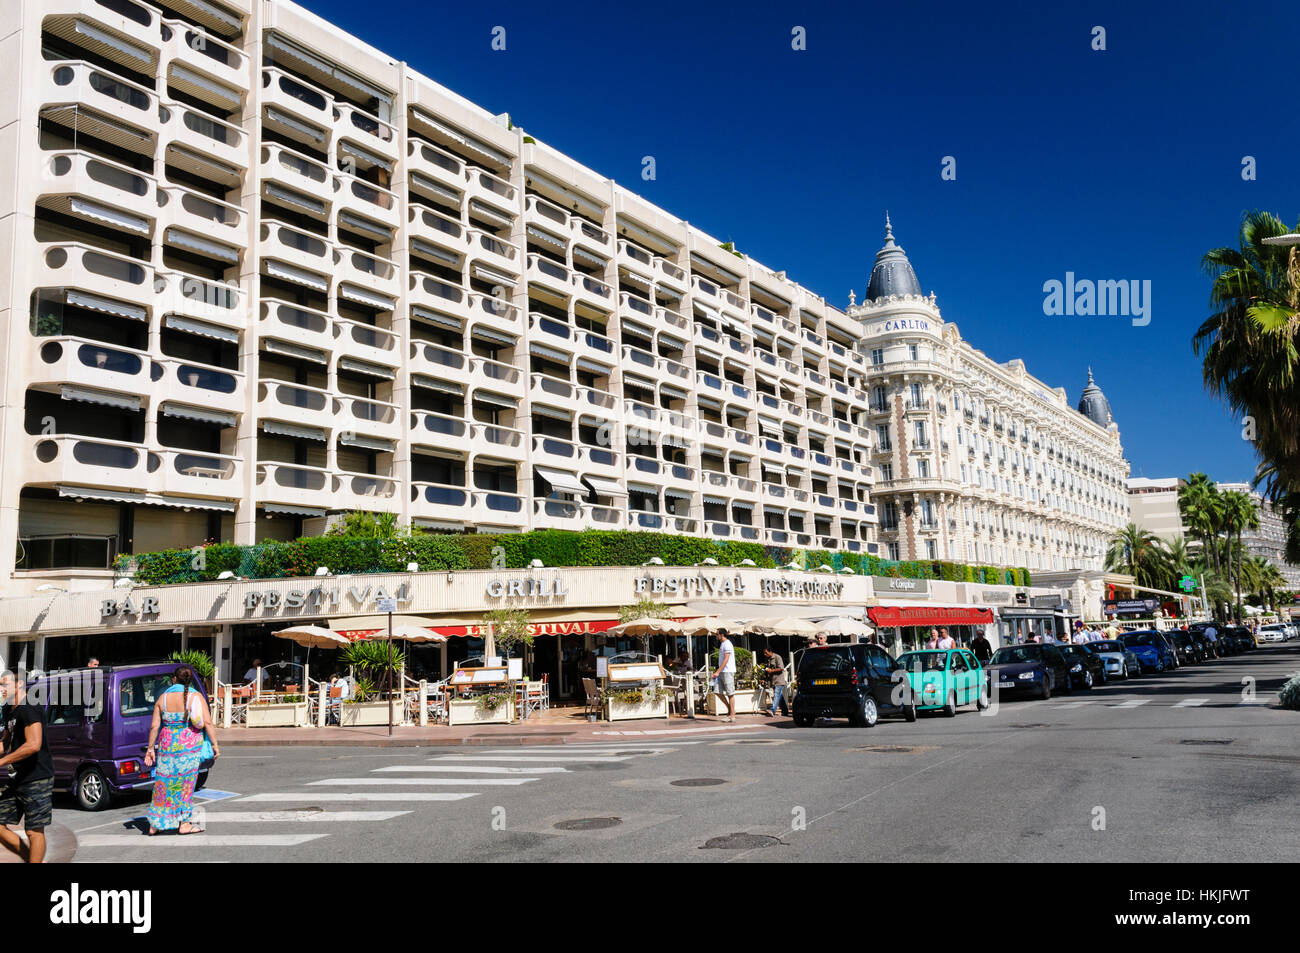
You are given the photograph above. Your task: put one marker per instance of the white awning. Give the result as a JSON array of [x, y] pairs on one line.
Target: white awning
[[677, 494], [421, 181], [561, 480], [89, 209], [555, 413], [290, 197], [428, 250], [89, 396], [579, 252], [636, 327], [285, 349], [144, 499], [82, 299], [277, 269], [492, 275], [370, 299], [488, 213], [547, 238], [365, 367], [286, 509], [668, 390], [496, 400], [202, 328], [742, 505], [223, 94], [605, 487], [704, 309], [460, 138], [323, 69], [489, 334], [592, 367], [541, 350], [364, 225], [434, 317], [366, 443], [365, 155], [142, 56], [217, 417], [714, 500], [284, 119], [439, 384], [294, 430]]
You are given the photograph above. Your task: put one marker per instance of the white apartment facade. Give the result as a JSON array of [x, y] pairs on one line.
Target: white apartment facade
[[258, 273], [1154, 506], [979, 461], [1269, 539]]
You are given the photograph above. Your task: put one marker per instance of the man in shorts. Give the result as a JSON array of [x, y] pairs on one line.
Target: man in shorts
[[29, 793], [726, 674]]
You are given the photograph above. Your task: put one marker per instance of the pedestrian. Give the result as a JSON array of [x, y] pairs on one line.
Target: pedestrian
[[29, 793], [725, 674], [92, 662], [776, 670], [933, 641], [982, 649], [180, 719], [254, 673], [1212, 636], [945, 640]]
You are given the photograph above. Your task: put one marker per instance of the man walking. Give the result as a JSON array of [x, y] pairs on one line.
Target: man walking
[[982, 649], [29, 793], [946, 640], [725, 675], [776, 670]]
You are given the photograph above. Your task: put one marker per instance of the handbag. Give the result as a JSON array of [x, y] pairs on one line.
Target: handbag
[[205, 750]]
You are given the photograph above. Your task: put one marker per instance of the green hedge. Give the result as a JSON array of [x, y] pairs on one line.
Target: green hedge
[[554, 547]]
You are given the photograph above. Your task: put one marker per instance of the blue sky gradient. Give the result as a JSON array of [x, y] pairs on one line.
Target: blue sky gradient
[[1122, 164]]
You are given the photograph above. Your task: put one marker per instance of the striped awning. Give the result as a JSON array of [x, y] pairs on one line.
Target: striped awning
[[285, 349], [541, 350], [491, 274], [440, 384], [592, 367], [183, 76], [110, 216], [364, 225], [561, 480], [365, 367], [144, 499], [604, 486], [434, 317], [555, 413], [290, 197], [203, 415], [87, 395], [283, 118], [278, 269], [365, 155], [580, 252], [366, 443], [297, 431], [677, 494], [371, 299], [321, 69], [83, 299], [202, 328], [714, 500], [427, 119], [490, 334], [547, 238], [286, 509], [496, 400], [426, 184], [428, 250]]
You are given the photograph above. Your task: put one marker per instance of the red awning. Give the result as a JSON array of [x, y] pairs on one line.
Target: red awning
[[478, 631], [894, 616]]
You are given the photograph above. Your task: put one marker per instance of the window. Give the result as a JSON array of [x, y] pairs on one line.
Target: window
[[892, 550], [140, 693], [922, 468], [913, 353], [877, 356], [886, 471], [930, 549], [882, 435], [927, 512], [916, 395], [878, 398], [921, 440]]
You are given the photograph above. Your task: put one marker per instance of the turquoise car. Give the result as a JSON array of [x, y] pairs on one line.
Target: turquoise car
[[945, 679]]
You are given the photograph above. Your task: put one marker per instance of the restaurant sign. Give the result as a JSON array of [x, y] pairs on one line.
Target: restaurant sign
[[359, 597], [996, 596], [893, 584], [1045, 602]]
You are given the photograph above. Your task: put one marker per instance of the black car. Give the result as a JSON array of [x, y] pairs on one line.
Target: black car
[[1202, 644], [1086, 669], [1186, 647], [857, 681], [1036, 667], [1241, 638]]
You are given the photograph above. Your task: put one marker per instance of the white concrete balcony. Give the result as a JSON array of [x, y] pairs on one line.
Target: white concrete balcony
[[742, 439], [668, 273], [590, 236], [295, 403], [198, 385], [822, 462], [82, 361], [209, 218], [370, 273], [190, 473], [544, 389], [82, 184], [673, 372], [636, 259], [439, 431], [433, 163], [297, 108], [437, 295], [193, 297], [594, 346], [670, 318], [641, 362], [76, 82], [491, 190], [85, 23], [642, 417], [86, 461], [662, 523], [499, 441], [365, 491], [554, 452], [496, 376], [494, 253], [706, 291], [294, 485], [635, 307], [495, 312], [550, 275], [371, 132], [75, 265], [707, 337], [436, 501], [365, 342], [438, 362], [497, 508], [368, 201], [438, 230], [202, 53], [558, 514], [598, 403], [547, 214], [598, 460], [551, 333], [203, 134], [303, 251], [373, 418], [292, 170]]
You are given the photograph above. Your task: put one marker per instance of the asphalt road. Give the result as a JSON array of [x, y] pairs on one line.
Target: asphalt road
[[1177, 767]]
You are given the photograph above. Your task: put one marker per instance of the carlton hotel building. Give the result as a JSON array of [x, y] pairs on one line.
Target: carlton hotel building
[[258, 273]]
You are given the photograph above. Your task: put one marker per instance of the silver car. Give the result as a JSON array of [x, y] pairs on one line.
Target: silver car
[[1119, 659]]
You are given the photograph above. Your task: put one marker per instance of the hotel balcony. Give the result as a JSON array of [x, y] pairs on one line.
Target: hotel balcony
[[440, 231], [598, 460], [493, 252], [79, 183], [190, 473], [544, 389], [368, 201], [295, 485], [436, 165], [365, 342], [487, 188], [310, 257], [75, 265], [669, 274], [209, 218], [199, 51], [494, 508], [203, 134], [78, 83], [504, 442], [364, 491], [374, 418], [436, 501], [636, 259], [296, 404], [661, 522], [188, 383], [589, 235], [296, 323], [437, 362], [368, 131], [549, 274], [592, 291], [296, 108], [550, 333], [68, 360], [194, 297], [373, 274], [437, 295], [496, 376], [440, 431], [706, 291], [86, 461], [642, 362], [495, 312]]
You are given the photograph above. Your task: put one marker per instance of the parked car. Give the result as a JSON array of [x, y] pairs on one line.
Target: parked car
[[1186, 647], [1033, 667], [945, 679], [1120, 661], [1085, 668], [1153, 652], [1168, 639], [1241, 638], [858, 681], [97, 724], [1276, 632], [1203, 648]]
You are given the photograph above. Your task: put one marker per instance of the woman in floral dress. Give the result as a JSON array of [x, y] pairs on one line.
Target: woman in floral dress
[[180, 716]]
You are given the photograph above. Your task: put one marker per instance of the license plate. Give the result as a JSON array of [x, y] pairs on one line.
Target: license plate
[[824, 681], [1006, 684]]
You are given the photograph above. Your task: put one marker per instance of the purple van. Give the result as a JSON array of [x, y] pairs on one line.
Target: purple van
[[97, 722]]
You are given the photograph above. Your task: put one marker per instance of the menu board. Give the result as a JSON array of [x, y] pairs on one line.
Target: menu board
[[635, 672], [478, 676]]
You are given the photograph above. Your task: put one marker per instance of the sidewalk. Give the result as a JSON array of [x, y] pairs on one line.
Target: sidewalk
[[556, 727], [60, 845]]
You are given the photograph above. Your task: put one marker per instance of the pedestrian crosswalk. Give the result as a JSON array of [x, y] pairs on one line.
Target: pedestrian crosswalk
[[424, 782]]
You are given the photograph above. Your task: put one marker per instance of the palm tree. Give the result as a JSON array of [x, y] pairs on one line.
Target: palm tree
[[1200, 507], [1239, 513], [1177, 562], [1138, 553]]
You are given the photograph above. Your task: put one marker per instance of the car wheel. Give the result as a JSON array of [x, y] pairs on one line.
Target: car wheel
[[92, 790], [1087, 680], [982, 702], [950, 709], [803, 721], [868, 714], [1046, 691], [909, 712]]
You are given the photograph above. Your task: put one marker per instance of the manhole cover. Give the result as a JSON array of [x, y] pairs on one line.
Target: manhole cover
[[1206, 741], [697, 782], [740, 841], [896, 749], [588, 824]]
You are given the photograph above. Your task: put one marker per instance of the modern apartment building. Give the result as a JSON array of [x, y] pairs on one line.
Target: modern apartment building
[[979, 461], [258, 273], [1153, 504], [1269, 539]]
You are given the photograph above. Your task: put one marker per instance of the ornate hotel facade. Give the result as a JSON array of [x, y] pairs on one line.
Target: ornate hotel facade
[[259, 273]]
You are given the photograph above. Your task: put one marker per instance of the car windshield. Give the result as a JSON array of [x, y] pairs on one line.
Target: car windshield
[[924, 661], [1137, 638], [1012, 654], [1105, 646]]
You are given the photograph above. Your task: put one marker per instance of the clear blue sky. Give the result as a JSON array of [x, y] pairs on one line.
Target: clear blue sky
[[1123, 164]]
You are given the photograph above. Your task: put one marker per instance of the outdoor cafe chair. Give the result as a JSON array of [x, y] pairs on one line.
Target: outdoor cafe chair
[[593, 696]]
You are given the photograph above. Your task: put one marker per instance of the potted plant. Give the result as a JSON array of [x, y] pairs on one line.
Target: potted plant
[[493, 707], [625, 703], [270, 711], [377, 664]]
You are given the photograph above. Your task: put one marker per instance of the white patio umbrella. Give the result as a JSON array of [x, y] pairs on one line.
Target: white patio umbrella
[[311, 636], [844, 625], [788, 625], [415, 633]]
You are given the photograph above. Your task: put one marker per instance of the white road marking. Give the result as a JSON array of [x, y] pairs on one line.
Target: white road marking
[[586, 759], [1134, 703], [474, 769], [164, 841], [1069, 705], [510, 781], [680, 731], [363, 796], [1191, 703], [312, 817]]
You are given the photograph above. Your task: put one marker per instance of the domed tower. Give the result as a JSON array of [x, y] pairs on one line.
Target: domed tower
[[892, 273], [1094, 405]]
